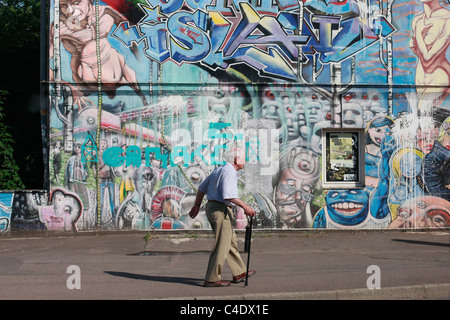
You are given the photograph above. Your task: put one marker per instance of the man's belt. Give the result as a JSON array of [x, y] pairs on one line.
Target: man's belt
[[215, 201], [227, 211]]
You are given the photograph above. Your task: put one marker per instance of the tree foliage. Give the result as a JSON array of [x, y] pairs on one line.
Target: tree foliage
[[9, 171], [20, 77], [20, 46]]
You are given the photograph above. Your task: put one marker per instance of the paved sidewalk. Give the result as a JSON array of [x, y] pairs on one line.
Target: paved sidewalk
[[290, 265]]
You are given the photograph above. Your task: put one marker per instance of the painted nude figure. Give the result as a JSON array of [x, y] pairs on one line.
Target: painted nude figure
[[78, 35], [430, 41]]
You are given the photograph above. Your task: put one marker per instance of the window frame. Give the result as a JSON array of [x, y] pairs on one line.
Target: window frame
[[360, 182]]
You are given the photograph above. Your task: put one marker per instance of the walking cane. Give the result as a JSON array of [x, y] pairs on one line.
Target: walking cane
[[248, 240]]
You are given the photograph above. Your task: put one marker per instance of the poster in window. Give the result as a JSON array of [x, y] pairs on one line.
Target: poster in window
[[342, 157]]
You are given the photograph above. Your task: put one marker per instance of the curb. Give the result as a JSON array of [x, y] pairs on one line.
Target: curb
[[439, 291]]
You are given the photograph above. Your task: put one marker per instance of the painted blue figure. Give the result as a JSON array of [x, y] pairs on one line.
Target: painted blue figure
[[355, 207], [345, 208], [349, 208], [379, 207], [399, 170], [376, 132]]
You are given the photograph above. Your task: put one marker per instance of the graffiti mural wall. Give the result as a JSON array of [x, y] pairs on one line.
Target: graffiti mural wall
[[145, 97], [21, 210]]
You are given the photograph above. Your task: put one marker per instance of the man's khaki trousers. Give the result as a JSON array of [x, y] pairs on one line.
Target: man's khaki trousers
[[225, 246]]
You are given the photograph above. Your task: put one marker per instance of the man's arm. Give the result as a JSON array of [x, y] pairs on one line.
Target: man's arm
[[198, 202], [247, 209]]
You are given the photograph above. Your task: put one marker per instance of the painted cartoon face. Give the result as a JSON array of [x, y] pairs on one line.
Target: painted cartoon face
[[423, 212], [294, 190], [64, 213], [75, 9], [377, 134], [270, 110], [291, 198], [313, 113], [348, 207], [352, 116], [446, 139], [171, 208], [425, 139], [103, 144], [219, 112]]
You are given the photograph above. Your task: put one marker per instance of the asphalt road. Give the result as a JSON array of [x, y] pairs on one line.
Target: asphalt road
[[289, 265]]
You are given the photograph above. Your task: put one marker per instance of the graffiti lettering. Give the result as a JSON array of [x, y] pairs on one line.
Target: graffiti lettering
[[210, 38], [259, 148]]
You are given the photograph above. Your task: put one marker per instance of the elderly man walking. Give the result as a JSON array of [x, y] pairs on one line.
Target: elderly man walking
[[221, 189]]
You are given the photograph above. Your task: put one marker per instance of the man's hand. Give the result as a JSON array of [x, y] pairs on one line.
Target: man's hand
[[194, 211], [198, 202], [249, 211]]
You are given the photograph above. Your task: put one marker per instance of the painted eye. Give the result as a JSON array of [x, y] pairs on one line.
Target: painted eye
[[353, 192], [304, 165], [437, 220], [195, 177], [404, 213], [334, 195]]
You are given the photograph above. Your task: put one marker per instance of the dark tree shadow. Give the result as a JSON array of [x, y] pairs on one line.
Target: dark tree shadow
[[428, 243]]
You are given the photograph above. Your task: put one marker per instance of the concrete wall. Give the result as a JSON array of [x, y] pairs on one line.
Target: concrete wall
[[144, 96]]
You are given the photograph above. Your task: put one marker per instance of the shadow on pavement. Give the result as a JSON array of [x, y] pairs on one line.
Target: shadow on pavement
[[188, 281], [428, 243], [166, 253]]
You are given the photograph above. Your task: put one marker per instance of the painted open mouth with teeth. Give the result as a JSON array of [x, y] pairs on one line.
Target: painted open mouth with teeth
[[347, 208]]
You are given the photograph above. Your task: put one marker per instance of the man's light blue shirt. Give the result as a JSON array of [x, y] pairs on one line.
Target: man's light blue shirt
[[221, 184]]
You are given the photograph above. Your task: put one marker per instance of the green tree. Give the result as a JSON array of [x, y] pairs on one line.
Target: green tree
[[20, 77], [9, 171]]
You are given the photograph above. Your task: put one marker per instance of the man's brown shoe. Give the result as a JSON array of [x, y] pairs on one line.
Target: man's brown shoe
[[219, 283], [242, 276]]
